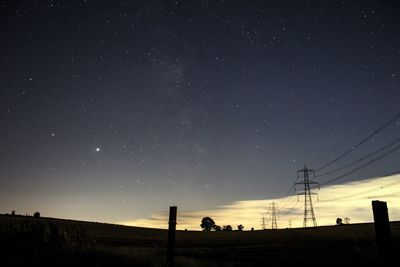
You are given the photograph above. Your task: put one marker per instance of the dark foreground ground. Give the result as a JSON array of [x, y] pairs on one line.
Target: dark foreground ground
[[55, 242]]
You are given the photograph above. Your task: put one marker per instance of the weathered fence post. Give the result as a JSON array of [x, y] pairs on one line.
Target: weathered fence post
[[382, 228], [171, 236]]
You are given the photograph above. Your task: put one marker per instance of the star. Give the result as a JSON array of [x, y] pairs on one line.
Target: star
[[97, 149]]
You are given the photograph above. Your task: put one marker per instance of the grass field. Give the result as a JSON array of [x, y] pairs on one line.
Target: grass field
[[56, 242]]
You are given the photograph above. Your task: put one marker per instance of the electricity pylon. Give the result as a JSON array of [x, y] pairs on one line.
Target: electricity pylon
[[309, 215], [263, 222], [272, 211]]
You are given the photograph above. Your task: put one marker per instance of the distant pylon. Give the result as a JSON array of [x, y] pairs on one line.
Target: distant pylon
[[309, 215], [272, 211], [263, 222]]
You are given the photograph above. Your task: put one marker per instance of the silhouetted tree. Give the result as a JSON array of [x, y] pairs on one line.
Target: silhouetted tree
[[36, 214], [240, 227], [207, 224], [217, 228], [227, 228], [252, 228], [347, 220], [339, 221]]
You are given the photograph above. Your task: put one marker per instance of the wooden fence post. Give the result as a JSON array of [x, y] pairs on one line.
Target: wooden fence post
[[382, 228], [171, 236]]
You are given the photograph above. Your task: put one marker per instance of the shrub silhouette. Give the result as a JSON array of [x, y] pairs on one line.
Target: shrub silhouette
[[227, 228]]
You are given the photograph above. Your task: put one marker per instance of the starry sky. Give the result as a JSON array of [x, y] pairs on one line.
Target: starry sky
[[114, 110]]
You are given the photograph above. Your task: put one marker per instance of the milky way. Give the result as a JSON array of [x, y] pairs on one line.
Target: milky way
[[114, 110]]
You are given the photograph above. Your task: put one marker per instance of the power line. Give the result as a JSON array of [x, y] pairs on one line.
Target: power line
[[361, 159], [363, 141], [289, 210], [357, 131], [292, 187], [395, 194], [288, 198], [288, 201], [364, 165], [290, 192], [363, 192]]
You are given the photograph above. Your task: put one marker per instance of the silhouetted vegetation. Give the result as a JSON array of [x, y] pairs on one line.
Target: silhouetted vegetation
[[340, 221], [207, 224], [227, 228], [217, 228], [240, 227]]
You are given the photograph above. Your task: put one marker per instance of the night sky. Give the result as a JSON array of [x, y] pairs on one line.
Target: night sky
[[113, 110]]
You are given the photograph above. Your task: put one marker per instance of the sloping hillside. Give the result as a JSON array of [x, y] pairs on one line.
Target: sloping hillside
[[48, 241]]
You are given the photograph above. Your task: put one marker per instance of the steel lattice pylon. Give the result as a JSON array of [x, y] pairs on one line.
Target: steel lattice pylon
[[263, 222], [309, 215], [273, 211]]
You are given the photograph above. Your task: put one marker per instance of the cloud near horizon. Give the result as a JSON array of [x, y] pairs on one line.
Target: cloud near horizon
[[351, 200]]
